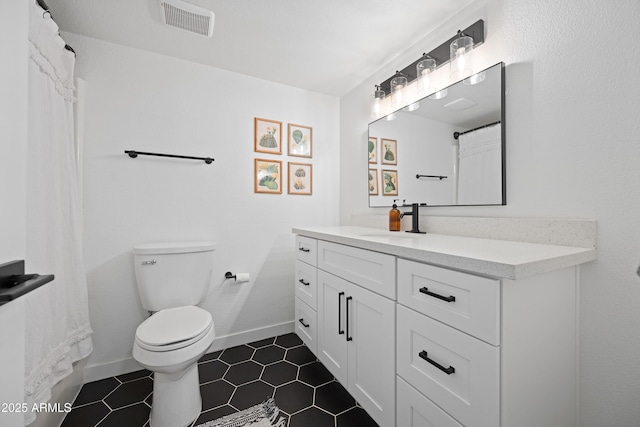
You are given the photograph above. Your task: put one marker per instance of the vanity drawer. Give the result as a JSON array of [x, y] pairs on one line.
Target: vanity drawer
[[467, 302], [459, 373], [307, 249], [371, 270], [415, 410], [306, 283], [306, 324]]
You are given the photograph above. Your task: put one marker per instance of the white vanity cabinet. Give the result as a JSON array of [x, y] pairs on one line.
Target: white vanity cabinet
[[306, 291], [356, 327], [443, 331]]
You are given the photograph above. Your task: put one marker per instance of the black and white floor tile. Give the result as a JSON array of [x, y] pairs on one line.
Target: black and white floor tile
[[232, 380]]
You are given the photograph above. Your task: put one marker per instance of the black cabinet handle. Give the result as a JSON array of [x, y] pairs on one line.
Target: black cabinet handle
[[347, 303], [303, 282], [306, 325], [340, 331], [443, 298], [304, 249], [450, 370]]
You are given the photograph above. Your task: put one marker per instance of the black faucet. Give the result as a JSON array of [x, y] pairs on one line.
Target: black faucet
[[414, 218]]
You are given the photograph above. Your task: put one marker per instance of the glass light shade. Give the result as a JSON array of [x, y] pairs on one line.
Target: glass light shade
[[459, 49], [398, 84], [423, 70], [390, 117], [412, 107], [439, 94], [475, 79], [376, 103]]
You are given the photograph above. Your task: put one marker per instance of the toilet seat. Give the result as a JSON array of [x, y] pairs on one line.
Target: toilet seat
[[174, 328]]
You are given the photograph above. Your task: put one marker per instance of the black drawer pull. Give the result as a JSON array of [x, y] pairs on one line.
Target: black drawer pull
[[303, 282], [304, 249], [306, 325], [450, 370], [340, 331], [347, 303], [443, 298]]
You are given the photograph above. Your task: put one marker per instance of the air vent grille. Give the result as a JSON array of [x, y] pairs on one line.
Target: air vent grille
[[188, 17]]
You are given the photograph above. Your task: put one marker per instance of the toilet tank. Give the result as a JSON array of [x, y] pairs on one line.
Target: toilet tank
[[173, 274]]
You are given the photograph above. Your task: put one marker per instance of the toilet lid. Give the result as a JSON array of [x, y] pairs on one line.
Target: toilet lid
[[180, 325]]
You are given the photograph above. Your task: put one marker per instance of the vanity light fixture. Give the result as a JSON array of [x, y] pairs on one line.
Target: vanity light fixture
[[425, 70], [459, 57]]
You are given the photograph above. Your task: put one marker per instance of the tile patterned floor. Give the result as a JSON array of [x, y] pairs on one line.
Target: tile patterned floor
[[232, 380]]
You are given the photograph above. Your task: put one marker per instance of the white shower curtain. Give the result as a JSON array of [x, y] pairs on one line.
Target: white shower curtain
[[480, 168], [57, 319]]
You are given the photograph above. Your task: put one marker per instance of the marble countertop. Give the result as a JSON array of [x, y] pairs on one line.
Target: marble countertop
[[495, 258]]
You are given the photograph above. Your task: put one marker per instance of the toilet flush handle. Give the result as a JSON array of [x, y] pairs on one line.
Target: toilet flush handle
[[152, 262]]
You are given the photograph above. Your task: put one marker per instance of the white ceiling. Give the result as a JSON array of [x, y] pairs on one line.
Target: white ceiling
[[326, 46]]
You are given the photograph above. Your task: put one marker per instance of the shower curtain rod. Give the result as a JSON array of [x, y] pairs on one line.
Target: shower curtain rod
[[457, 134], [43, 5]]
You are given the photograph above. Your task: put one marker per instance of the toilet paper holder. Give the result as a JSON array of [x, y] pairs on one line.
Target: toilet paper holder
[[239, 277]]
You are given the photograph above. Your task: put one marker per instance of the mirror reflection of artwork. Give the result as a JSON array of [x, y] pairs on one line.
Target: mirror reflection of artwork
[[389, 151], [453, 146], [373, 150], [268, 176], [300, 178], [268, 136], [373, 182], [300, 140], [389, 182]]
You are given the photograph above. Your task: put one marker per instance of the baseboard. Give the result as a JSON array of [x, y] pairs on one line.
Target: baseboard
[[100, 372]]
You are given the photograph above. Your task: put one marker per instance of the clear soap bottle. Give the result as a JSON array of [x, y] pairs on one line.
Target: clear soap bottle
[[394, 218]]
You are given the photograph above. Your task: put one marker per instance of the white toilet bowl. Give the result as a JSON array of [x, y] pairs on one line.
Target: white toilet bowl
[[169, 344]]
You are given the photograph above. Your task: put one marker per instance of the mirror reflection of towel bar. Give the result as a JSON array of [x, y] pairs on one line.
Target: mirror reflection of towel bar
[[440, 177]]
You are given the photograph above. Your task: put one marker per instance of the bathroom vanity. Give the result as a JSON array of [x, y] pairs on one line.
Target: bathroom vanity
[[441, 330]]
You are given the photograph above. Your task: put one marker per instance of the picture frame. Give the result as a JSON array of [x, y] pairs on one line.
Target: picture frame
[[268, 136], [388, 151], [300, 140], [373, 182], [373, 150], [389, 182], [300, 176], [267, 176]]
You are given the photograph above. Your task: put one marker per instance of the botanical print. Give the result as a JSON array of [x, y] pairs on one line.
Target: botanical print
[[373, 182], [300, 140], [268, 176], [300, 178], [373, 150], [389, 183], [389, 152], [268, 136]]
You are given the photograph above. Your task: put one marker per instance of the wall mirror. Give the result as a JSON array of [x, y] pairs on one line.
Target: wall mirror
[[448, 152]]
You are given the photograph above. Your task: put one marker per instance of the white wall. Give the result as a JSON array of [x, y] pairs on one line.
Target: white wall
[[572, 127], [148, 102], [14, 26]]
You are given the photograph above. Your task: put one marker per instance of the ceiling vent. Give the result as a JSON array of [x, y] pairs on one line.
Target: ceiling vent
[[187, 16]]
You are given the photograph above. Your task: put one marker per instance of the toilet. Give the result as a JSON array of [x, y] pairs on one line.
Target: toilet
[[172, 279]]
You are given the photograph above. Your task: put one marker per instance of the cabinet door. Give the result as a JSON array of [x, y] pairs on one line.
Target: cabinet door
[[370, 330], [332, 343]]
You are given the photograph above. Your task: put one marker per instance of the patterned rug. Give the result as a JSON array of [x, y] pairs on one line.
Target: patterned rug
[[266, 414]]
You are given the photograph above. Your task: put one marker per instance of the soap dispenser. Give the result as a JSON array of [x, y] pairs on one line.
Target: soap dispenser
[[394, 218]]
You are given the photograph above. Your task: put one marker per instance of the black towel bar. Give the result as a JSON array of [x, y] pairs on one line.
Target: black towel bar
[[133, 154]]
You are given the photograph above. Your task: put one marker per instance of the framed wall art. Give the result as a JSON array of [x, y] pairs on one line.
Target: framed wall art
[[268, 136], [373, 150], [268, 176], [300, 178], [389, 151], [389, 182], [373, 182], [300, 140]]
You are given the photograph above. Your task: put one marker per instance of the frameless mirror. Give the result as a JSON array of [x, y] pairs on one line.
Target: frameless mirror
[[450, 151]]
